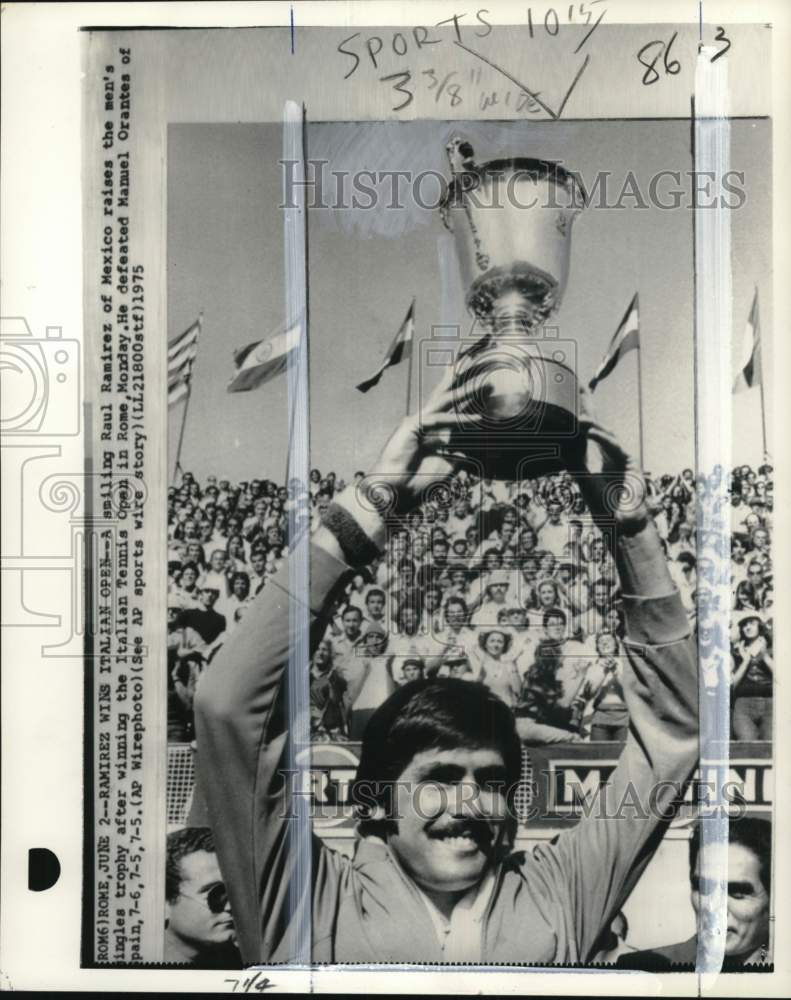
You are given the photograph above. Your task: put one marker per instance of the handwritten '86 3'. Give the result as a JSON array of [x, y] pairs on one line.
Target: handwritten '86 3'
[[659, 49]]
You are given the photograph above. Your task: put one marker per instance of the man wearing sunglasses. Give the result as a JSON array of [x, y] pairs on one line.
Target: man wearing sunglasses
[[199, 927], [435, 877]]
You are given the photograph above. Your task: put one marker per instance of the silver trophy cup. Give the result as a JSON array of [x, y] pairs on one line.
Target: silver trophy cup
[[511, 220]]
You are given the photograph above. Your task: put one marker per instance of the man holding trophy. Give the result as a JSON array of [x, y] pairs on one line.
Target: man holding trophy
[[435, 877]]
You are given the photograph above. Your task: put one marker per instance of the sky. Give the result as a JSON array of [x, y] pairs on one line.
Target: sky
[[226, 259]]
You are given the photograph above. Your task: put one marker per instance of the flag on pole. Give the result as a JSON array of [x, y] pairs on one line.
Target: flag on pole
[[260, 361], [750, 367], [627, 338], [182, 351], [400, 348]]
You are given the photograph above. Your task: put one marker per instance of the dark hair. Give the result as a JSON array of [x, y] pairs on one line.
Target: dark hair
[[437, 714], [180, 843], [458, 600], [754, 616], [752, 832], [554, 613], [375, 590]]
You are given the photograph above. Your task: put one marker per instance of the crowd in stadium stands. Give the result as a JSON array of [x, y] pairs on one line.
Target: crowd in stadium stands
[[509, 583]]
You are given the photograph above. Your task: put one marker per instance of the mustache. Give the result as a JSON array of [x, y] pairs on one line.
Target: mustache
[[482, 831]]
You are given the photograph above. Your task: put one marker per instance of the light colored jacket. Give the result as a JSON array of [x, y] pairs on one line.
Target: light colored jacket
[[547, 906]]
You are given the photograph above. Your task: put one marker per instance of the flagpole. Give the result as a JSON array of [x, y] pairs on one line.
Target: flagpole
[[411, 359], [640, 401], [763, 419], [756, 333], [188, 380], [292, 415], [177, 467]]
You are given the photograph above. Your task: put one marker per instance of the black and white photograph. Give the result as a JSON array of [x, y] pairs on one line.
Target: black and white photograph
[[502, 512], [392, 422]]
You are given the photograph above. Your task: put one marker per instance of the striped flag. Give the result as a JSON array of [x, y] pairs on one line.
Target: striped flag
[[750, 368], [627, 338], [182, 351], [400, 348], [263, 359]]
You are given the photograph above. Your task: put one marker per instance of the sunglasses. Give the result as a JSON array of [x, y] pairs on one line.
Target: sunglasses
[[216, 898]]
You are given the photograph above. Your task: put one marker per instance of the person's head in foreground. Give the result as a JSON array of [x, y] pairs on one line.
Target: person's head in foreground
[[439, 767], [198, 922], [749, 880]]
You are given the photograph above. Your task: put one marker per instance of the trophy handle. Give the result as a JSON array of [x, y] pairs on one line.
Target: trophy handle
[[465, 171], [461, 155]]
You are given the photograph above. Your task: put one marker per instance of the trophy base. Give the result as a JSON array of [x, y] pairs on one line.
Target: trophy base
[[520, 452], [529, 405]]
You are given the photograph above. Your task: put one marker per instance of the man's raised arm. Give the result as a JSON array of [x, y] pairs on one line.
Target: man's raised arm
[[240, 709], [598, 863]]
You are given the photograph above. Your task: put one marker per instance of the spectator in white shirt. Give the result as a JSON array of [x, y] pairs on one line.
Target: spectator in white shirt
[[554, 532], [496, 591], [375, 608], [216, 575], [496, 668]]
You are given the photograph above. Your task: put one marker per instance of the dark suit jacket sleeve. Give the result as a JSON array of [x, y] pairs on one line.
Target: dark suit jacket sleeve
[[242, 737]]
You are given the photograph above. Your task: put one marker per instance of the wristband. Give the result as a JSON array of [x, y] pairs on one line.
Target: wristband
[[356, 546]]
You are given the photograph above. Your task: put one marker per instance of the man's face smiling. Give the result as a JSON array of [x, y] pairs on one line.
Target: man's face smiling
[[451, 808]]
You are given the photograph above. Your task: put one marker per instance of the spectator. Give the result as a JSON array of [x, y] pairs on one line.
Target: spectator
[[216, 576], [601, 696], [483, 534], [747, 940], [408, 641], [239, 597], [206, 623], [345, 639], [375, 606], [554, 677], [357, 589], [186, 592], [594, 617], [431, 622], [554, 532], [184, 678], [257, 570], [199, 928], [372, 681], [326, 692], [753, 670], [496, 589], [413, 669], [496, 669]]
